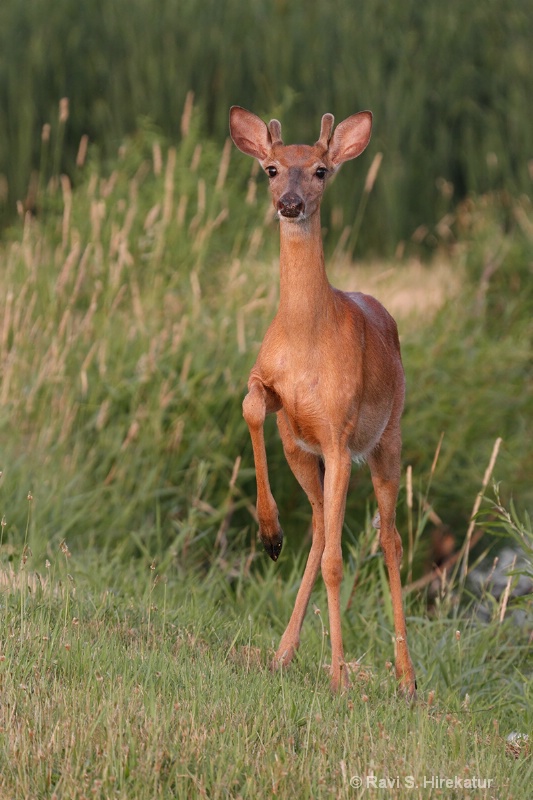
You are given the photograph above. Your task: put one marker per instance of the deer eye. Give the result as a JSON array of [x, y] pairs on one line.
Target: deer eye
[[321, 173], [272, 172]]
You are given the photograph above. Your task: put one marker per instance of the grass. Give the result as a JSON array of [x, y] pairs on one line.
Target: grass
[[122, 680], [447, 84], [136, 614], [133, 310]]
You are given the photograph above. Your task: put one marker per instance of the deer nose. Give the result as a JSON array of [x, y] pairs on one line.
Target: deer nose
[[290, 205]]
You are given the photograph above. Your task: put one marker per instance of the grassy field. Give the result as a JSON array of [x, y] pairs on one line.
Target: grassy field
[[137, 613], [125, 679]]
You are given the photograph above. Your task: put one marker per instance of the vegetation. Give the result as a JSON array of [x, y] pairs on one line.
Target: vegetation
[[448, 84], [137, 613], [128, 679], [132, 311]]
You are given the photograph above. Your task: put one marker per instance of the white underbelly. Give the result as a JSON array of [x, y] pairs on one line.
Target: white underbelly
[[356, 456], [309, 448]]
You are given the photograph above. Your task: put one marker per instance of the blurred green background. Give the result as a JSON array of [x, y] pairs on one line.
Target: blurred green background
[[449, 85]]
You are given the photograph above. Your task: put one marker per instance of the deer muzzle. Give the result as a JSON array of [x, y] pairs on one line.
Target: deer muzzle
[[290, 205]]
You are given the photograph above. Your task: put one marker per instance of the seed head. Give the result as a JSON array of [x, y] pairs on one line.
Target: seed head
[[64, 549], [63, 110]]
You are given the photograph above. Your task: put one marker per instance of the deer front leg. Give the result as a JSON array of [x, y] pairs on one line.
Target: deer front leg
[[336, 479], [259, 402], [307, 470]]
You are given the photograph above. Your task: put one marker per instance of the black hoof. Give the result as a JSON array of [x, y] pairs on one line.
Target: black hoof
[[273, 546]]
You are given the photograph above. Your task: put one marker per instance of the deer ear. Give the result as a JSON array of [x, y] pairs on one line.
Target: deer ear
[[249, 133], [350, 138]]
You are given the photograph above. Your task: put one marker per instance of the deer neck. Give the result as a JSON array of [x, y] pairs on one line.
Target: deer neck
[[306, 295]]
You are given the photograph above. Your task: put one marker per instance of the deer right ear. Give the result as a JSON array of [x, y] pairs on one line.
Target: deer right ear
[[249, 133]]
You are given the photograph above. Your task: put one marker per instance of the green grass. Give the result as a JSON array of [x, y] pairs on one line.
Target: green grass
[[137, 614], [123, 680]]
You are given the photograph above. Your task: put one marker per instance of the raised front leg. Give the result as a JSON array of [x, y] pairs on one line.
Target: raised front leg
[[336, 479], [307, 470], [259, 402], [386, 483]]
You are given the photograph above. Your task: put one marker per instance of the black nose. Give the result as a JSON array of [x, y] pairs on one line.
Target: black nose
[[291, 205]]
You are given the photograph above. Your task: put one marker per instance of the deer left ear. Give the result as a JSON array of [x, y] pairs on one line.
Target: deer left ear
[[350, 138]]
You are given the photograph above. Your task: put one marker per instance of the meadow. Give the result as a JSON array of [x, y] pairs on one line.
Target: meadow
[[138, 612], [138, 273]]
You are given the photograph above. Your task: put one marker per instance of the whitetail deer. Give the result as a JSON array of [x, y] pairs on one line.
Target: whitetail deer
[[331, 369]]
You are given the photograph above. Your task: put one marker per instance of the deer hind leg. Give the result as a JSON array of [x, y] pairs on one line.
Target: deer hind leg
[[384, 465], [307, 469], [259, 402]]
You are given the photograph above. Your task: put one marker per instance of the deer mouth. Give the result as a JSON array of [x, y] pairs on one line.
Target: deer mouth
[[293, 218], [290, 206], [290, 213]]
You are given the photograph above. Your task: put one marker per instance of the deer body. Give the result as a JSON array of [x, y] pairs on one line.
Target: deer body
[[330, 368]]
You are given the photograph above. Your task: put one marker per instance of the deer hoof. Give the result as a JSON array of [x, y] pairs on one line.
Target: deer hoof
[[273, 545], [339, 684], [283, 657], [408, 690]]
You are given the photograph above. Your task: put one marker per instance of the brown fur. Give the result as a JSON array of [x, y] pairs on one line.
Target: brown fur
[[330, 368]]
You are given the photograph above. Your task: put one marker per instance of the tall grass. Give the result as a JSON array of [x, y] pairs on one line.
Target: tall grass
[[132, 312], [106, 305], [448, 84]]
